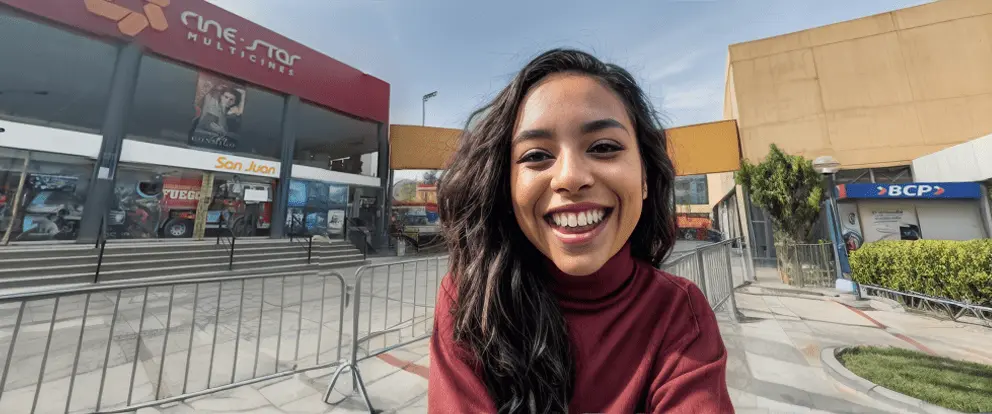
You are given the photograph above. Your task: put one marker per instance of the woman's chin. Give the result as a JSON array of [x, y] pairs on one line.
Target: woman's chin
[[578, 265]]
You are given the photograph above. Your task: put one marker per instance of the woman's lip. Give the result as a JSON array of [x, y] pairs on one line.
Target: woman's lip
[[575, 208], [579, 238]]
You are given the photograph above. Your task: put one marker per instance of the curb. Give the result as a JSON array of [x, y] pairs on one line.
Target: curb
[[839, 372], [885, 304], [791, 293]]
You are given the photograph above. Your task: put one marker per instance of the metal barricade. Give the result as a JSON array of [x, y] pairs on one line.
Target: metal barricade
[[393, 307], [808, 264], [713, 269], [121, 347]]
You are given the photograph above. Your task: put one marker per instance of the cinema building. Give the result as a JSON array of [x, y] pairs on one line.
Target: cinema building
[[158, 118]]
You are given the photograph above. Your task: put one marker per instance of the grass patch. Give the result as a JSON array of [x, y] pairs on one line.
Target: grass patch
[[958, 385]]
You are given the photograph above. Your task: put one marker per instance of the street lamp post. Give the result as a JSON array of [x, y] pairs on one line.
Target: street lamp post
[[828, 167], [423, 107]]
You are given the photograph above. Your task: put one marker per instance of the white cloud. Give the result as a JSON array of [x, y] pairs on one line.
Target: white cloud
[[693, 96], [658, 70]]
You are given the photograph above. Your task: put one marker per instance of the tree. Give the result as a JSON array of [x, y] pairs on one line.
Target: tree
[[791, 191], [431, 177]]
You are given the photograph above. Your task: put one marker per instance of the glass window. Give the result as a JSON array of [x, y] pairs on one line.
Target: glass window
[[336, 142], [317, 208], [691, 189], [52, 77], [244, 202], [153, 201], [52, 199], [178, 105]]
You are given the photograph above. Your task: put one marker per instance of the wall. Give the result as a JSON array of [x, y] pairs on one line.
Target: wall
[[951, 220], [876, 91], [695, 149], [970, 161]]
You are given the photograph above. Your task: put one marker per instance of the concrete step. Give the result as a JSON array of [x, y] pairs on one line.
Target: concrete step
[[240, 252], [135, 247], [152, 261], [12, 258], [188, 272], [51, 283]]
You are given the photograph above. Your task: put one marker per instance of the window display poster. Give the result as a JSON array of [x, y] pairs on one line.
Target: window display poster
[[317, 222], [294, 220], [338, 195], [335, 222], [219, 104], [181, 193], [890, 221], [53, 208], [317, 195], [297, 193], [850, 226]]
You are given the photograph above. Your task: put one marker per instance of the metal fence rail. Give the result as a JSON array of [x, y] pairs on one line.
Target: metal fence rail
[[393, 307], [120, 347], [954, 310], [808, 264], [713, 269]]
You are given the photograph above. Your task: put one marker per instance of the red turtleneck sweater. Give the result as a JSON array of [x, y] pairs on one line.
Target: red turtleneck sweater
[[645, 341]]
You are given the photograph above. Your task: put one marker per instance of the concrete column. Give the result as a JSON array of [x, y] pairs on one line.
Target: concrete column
[[122, 88], [986, 208], [290, 113], [385, 188]]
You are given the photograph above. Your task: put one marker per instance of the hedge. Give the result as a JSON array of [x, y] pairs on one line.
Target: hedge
[[956, 270]]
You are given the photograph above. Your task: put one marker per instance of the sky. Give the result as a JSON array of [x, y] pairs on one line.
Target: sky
[[468, 50]]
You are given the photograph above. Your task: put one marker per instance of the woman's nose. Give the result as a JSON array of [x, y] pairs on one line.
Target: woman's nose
[[572, 173]]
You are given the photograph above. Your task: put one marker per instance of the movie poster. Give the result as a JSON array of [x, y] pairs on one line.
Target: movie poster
[[335, 222], [850, 226], [297, 193], [338, 195], [219, 104]]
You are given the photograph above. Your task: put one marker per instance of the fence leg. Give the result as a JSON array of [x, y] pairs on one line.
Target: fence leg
[[309, 249], [99, 261], [732, 304], [749, 264], [702, 275], [230, 262]]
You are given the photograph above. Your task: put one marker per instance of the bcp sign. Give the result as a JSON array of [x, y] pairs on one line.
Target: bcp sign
[[911, 191]]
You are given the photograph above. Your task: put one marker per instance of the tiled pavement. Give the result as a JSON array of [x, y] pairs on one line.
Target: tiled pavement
[[773, 366]]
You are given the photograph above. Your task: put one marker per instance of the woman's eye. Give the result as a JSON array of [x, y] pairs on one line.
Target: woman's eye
[[605, 148], [535, 156]]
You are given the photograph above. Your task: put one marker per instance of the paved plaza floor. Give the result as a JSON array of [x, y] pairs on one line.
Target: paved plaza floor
[[773, 364]]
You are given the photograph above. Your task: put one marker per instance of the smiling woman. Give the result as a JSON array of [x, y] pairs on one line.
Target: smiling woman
[[557, 207]]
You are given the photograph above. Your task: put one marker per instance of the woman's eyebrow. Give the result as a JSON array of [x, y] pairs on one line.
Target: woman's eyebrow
[[599, 125], [530, 134], [587, 128]]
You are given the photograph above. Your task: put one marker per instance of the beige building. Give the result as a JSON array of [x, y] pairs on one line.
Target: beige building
[[875, 93]]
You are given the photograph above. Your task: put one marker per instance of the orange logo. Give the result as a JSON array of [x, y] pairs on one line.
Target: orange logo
[[131, 22]]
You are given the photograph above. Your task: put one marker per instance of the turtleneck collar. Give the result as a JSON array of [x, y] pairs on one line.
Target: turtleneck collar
[[597, 287]]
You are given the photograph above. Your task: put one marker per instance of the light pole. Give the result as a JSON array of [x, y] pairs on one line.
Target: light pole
[[828, 167], [423, 107]]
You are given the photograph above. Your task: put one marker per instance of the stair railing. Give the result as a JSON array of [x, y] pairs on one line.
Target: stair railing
[[101, 243], [229, 241], [301, 234]]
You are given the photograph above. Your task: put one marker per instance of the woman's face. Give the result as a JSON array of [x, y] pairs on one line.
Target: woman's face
[[576, 176]]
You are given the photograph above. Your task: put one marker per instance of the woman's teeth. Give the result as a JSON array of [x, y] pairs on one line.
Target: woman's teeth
[[582, 218]]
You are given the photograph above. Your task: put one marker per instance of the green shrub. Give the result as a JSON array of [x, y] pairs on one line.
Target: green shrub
[[956, 270]]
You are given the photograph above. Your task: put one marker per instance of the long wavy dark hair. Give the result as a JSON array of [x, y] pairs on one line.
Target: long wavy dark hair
[[506, 315]]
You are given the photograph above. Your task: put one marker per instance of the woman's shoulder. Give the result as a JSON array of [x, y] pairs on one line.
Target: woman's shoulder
[[677, 293]]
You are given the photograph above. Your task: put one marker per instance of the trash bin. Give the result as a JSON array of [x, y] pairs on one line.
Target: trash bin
[[401, 247]]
